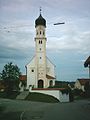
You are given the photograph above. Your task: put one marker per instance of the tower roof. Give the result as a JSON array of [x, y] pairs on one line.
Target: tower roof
[[40, 21]]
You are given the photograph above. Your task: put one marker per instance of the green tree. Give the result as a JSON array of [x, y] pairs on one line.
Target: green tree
[[10, 75]]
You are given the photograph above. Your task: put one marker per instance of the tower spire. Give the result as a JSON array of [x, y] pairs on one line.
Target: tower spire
[[40, 20], [40, 10]]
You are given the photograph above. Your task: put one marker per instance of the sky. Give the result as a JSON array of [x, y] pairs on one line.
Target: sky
[[68, 45]]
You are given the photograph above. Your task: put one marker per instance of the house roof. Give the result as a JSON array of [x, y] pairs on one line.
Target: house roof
[[23, 77], [83, 81], [48, 89], [87, 62], [49, 77]]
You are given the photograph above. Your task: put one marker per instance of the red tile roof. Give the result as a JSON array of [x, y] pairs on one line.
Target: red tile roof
[[83, 81], [23, 77], [49, 77], [48, 88]]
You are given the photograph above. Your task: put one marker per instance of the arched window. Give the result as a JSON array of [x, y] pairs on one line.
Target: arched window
[[51, 83], [40, 32], [41, 41]]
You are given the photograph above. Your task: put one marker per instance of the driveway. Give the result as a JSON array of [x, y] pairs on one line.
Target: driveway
[[27, 110]]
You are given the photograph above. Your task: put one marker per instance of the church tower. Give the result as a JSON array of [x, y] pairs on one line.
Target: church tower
[[40, 71], [40, 43]]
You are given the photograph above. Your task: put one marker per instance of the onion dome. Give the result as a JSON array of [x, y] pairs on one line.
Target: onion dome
[[40, 21]]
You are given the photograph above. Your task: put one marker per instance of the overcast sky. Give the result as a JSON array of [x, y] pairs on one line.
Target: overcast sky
[[68, 45]]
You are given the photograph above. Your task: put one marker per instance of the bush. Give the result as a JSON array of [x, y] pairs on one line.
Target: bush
[[65, 91], [12, 94], [77, 92]]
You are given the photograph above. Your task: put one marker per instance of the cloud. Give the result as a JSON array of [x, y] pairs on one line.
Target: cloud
[[15, 5], [20, 36], [16, 43], [72, 36], [8, 53], [78, 42], [71, 40]]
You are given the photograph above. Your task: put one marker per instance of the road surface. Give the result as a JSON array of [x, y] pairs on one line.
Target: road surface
[[27, 110]]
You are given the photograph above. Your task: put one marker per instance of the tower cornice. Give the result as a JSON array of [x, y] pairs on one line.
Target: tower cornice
[[40, 38]]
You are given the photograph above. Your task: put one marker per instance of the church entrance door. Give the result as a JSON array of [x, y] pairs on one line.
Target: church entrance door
[[40, 83]]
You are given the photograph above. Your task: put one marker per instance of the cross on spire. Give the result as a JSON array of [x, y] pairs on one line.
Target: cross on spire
[[40, 10]]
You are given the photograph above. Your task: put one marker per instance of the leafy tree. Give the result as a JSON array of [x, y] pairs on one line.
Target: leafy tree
[[10, 74]]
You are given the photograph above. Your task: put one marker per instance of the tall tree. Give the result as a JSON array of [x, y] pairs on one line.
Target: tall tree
[[10, 74]]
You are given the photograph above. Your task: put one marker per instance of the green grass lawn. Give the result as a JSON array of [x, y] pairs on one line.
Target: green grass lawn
[[41, 98], [38, 97]]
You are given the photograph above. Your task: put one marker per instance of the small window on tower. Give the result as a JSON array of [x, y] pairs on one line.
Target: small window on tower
[[40, 48], [41, 41], [43, 32], [40, 57]]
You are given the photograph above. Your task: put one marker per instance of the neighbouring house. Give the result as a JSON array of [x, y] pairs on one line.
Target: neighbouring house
[[23, 81], [87, 64], [80, 83]]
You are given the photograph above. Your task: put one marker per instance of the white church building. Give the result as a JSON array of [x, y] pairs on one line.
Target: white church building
[[40, 70]]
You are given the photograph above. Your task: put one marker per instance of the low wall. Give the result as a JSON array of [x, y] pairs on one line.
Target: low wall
[[53, 92]]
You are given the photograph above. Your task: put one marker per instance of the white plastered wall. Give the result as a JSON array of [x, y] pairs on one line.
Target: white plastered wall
[[31, 73], [55, 93]]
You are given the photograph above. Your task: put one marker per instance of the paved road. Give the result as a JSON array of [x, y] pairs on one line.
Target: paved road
[[26, 110], [70, 111]]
